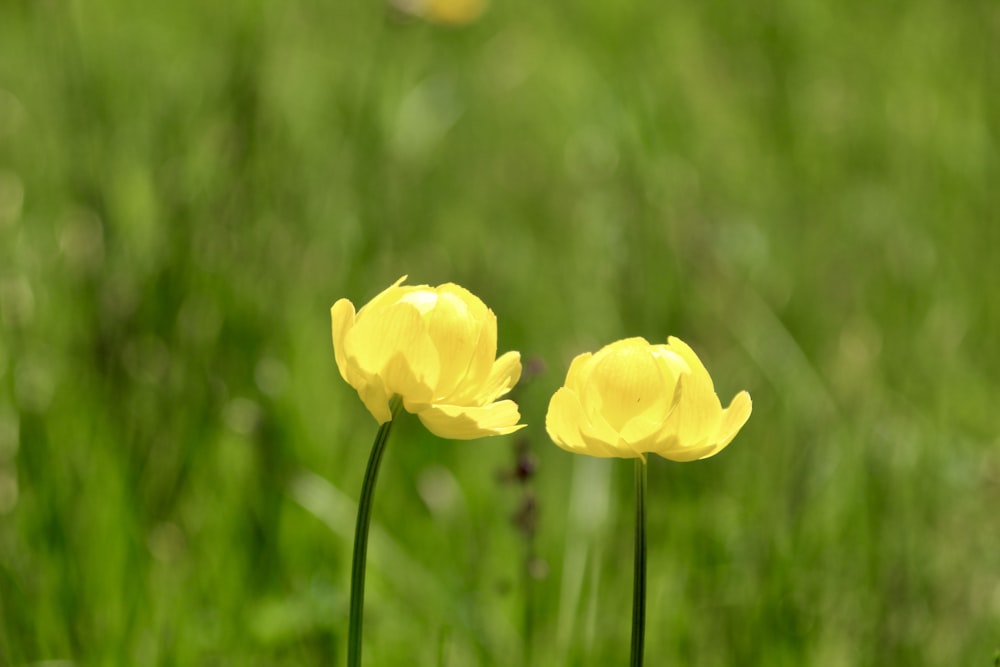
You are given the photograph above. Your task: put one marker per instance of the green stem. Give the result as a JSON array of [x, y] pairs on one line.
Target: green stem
[[529, 616], [639, 574], [361, 538]]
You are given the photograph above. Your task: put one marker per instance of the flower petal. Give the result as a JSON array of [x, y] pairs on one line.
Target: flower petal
[[733, 419], [375, 398], [625, 381], [599, 435], [693, 419], [698, 370], [641, 430], [504, 374], [563, 419], [466, 423], [388, 296], [480, 366], [342, 318], [390, 342], [669, 450], [455, 326], [646, 426], [579, 371], [569, 427]]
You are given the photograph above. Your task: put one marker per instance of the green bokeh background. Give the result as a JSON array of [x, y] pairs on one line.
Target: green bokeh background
[[805, 191]]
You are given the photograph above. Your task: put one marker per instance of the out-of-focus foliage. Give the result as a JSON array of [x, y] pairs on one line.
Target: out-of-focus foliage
[[805, 191]]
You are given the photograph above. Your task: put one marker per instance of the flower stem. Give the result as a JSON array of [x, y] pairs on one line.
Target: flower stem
[[529, 615], [639, 574], [361, 538]]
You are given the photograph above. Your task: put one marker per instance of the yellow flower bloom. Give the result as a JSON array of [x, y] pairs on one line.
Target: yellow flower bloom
[[436, 348], [446, 12], [631, 398]]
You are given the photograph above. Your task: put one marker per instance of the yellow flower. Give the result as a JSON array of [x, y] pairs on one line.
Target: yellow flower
[[446, 12], [631, 398], [436, 348]]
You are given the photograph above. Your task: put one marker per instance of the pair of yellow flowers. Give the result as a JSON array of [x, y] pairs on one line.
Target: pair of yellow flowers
[[435, 347]]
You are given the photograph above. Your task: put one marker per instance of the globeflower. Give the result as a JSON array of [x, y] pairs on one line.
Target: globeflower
[[631, 398], [432, 351], [434, 347]]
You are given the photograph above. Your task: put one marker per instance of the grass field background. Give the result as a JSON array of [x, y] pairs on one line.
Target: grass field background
[[804, 191]]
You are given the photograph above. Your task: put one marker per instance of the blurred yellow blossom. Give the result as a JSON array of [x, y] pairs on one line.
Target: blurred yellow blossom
[[631, 398], [447, 12], [436, 348]]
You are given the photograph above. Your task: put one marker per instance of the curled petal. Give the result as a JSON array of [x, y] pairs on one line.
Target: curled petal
[[466, 423], [579, 371], [504, 374], [563, 419], [694, 365], [342, 318], [693, 419], [387, 296], [733, 419]]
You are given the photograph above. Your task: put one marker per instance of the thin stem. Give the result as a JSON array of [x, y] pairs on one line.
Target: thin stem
[[639, 574], [361, 538], [529, 615]]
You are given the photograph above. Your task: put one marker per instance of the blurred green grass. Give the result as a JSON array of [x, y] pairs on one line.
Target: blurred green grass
[[804, 191]]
